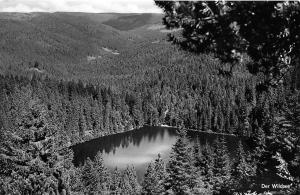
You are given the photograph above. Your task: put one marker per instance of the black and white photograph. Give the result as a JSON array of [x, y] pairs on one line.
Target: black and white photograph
[[146, 97]]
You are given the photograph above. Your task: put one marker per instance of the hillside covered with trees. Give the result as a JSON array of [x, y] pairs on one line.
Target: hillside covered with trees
[[70, 77]]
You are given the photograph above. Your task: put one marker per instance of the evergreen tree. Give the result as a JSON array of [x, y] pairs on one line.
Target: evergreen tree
[[149, 183], [75, 183], [129, 184], [89, 177], [30, 152], [260, 142], [116, 182], [222, 167], [197, 155], [160, 171], [204, 163], [179, 178], [243, 171], [102, 174], [281, 154], [231, 29], [203, 170], [154, 177]]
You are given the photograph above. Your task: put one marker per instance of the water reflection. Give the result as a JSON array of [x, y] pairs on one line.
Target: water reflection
[[139, 147]]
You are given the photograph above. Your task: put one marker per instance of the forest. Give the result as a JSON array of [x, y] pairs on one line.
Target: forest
[[42, 115]]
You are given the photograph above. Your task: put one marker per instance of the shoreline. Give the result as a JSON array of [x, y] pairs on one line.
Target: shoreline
[[194, 130], [162, 125], [96, 137]]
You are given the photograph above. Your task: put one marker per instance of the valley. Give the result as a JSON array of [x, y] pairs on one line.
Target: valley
[[63, 43], [101, 103]]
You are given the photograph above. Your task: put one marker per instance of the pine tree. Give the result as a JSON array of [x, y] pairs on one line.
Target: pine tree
[[203, 171], [179, 169], [82, 125], [243, 170], [222, 167], [197, 155], [260, 141], [125, 185], [102, 174], [116, 180], [150, 180], [238, 30], [129, 184], [154, 177], [89, 177], [160, 171], [204, 164], [75, 183]]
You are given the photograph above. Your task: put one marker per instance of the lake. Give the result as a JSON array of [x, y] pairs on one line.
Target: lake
[[141, 146]]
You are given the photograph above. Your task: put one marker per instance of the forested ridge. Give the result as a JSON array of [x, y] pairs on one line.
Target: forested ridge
[[193, 95], [46, 109]]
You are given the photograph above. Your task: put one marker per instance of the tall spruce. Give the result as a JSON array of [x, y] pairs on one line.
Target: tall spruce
[[243, 171], [179, 178], [102, 174], [160, 171], [129, 183], [222, 166], [154, 177], [116, 180], [89, 177], [150, 180], [206, 165], [203, 168]]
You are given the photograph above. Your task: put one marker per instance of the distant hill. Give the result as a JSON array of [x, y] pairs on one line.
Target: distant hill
[[129, 22], [79, 45], [54, 37]]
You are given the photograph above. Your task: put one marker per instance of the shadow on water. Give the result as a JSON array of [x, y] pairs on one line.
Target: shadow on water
[[109, 144], [139, 147]]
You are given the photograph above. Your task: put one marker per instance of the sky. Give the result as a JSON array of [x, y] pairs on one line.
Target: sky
[[93, 6]]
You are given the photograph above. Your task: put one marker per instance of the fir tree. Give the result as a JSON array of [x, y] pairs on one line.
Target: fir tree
[[222, 167], [260, 142], [116, 180], [150, 180], [129, 184], [204, 164], [102, 174], [203, 170], [179, 176], [154, 177], [243, 171], [75, 183], [160, 171], [89, 177], [197, 154]]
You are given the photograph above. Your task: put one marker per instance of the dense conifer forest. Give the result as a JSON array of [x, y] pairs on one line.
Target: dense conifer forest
[[193, 95], [47, 108]]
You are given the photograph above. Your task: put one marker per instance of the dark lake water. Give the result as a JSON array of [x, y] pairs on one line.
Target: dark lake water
[[141, 146]]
